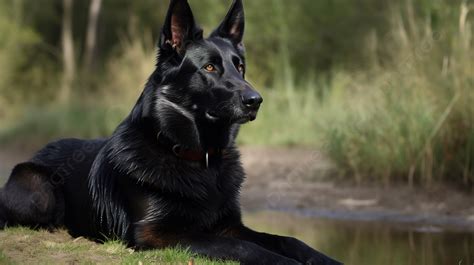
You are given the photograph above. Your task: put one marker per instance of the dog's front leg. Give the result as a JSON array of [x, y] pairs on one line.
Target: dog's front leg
[[211, 246], [233, 249], [286, 246]]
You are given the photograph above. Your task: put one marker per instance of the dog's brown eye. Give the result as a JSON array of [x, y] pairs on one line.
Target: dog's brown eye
[[241, 68], [210, 68]]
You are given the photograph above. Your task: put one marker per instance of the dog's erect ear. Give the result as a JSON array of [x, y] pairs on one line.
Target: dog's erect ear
[[233, 25], [179, 28]]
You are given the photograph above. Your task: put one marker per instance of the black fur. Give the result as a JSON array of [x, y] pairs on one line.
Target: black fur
[[138, 185]]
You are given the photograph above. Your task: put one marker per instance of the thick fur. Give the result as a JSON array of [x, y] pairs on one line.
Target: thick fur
[[133, 187]]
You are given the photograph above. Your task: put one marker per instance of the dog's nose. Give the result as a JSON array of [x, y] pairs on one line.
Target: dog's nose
[[251, 98]]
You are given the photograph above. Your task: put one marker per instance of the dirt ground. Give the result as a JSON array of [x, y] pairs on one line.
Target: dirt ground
[[302, 181]]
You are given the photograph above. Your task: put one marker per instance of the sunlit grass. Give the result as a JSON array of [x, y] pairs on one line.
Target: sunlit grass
[[23, 245]]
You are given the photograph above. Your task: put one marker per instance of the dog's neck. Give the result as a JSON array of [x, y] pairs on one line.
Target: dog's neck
[[200, 136], [217, 135]]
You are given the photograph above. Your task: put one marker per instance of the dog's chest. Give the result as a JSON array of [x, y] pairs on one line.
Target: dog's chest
[[197, 202]]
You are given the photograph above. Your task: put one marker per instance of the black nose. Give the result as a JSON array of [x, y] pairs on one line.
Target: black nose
[[251, 98]]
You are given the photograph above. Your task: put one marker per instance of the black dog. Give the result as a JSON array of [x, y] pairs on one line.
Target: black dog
[[170, 174]]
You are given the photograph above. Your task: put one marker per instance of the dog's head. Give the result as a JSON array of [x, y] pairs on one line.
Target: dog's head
[[200, 82]]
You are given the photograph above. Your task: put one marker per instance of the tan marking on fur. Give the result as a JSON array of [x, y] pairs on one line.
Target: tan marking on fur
[[147, 236]]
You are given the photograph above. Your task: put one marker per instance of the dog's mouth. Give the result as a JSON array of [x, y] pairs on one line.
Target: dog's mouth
[[241, 119], [212, 116]]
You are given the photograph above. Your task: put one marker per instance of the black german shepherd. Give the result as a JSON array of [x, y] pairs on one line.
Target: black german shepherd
[[170, 174]]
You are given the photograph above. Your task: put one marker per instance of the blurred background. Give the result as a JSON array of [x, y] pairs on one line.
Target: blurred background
[[369, 103]]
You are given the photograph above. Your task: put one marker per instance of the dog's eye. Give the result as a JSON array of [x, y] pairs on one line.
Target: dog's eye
[[241, 68], [210, 68]]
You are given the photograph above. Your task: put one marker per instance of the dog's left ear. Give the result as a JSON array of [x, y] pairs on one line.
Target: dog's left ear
[[233, 25], [180, 27]]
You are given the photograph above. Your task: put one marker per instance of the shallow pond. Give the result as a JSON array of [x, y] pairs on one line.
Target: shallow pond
[[371, 243]]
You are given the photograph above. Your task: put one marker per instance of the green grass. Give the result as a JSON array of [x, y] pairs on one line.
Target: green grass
[[39, 125], [412, 121], [4, 259], [25, 246]]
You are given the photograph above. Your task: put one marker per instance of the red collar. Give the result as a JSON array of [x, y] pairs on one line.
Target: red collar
[[196, 155]]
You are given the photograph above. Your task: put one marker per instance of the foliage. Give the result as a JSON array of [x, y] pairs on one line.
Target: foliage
[[13, 55], [413, 121]]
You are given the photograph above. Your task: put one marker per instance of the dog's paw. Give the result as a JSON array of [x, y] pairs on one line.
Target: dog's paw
[[322, 261], [288, 262]]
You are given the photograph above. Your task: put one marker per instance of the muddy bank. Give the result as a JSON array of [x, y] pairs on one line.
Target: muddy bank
[[300, 181]]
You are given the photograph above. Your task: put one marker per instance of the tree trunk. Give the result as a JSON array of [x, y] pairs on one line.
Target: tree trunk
[[69, 62], [91, 34]]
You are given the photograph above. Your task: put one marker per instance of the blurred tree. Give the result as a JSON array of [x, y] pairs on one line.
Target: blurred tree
[[91, 35], [301, 38], [69, 61]]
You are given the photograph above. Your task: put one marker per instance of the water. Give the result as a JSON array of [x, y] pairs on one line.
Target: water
[[367, 243]]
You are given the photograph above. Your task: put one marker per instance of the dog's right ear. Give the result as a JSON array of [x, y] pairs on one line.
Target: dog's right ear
[[179, 28], [232, 27]]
